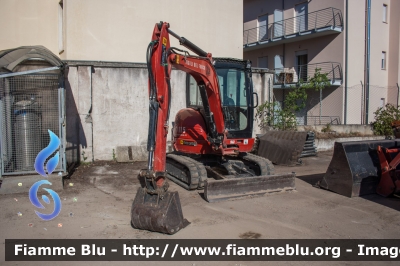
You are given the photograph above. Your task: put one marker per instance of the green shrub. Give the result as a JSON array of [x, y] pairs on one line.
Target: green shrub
[[327, 128], [384, 116], [270, 114]]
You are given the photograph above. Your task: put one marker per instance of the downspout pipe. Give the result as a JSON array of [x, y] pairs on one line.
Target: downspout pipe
[[346, 57], [367, 61], [283, 46], [88, 118], [269, 90]]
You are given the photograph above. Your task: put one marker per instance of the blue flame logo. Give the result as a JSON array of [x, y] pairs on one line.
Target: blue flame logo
[[45, 153], [35, 201], [40, 169]]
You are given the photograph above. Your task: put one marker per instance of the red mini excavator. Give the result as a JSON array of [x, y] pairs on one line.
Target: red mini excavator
[[212, 137]]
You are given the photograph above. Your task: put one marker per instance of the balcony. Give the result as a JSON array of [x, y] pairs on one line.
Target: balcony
[[287, 77], [318, 23]]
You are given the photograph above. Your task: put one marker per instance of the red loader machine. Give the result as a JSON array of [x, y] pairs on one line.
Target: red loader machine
[[365, 167], [212, 138]]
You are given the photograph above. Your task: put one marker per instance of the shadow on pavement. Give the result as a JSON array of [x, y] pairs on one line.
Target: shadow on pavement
[[391, 202], [311, 179]]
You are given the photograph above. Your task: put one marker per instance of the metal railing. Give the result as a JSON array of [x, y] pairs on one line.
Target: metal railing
[[323, 120], [302, 73], [317, 20]]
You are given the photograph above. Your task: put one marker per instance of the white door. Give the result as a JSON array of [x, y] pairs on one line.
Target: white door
[[278, 23], [262, 27], [301, 17], [278, 65]]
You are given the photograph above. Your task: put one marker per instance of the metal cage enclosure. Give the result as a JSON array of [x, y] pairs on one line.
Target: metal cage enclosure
[[31, 104]]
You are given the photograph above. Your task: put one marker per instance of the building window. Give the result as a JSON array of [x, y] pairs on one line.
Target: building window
[[382, 102], [384, 15], [383, 63], [263, 62], [60, 28]]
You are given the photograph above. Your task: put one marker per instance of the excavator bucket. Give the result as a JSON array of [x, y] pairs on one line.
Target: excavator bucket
[[229, 188], [282, 147], [354, 169], [149, 212]]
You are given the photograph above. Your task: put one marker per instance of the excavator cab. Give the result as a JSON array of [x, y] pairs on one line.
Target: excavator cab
[[234, 77], [236, 90]]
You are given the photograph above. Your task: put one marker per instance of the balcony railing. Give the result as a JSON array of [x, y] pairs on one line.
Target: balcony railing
[[289, 76], [317, 21]]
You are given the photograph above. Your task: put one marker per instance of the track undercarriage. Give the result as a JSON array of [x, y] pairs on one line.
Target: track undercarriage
[[226, 177]]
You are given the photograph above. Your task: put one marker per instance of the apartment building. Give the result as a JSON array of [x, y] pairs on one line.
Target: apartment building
[[119, 30], [355, 42]]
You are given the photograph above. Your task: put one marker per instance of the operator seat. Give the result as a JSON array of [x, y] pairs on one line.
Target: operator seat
[[228, 101]]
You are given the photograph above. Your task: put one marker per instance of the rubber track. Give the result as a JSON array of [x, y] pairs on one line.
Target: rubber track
[[196, 169], [266, 166], [201, 170]]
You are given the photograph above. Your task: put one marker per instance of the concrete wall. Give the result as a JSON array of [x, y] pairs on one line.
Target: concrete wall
[[329, 144], [263, 86], [120, 30], [362, 129], [107, 108]]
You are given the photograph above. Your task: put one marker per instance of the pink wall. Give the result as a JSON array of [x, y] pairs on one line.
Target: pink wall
[[319, 50], [394, 51], [384, 37], [379, 43]]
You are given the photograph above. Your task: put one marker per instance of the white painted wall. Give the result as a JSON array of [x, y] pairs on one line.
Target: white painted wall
[[120, 30]]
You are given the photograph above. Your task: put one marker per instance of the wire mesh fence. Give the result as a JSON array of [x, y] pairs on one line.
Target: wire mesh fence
[[29, 108], [363, 103], [328, 106]]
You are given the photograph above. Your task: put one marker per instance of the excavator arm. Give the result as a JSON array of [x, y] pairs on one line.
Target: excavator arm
[[160, 59]]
